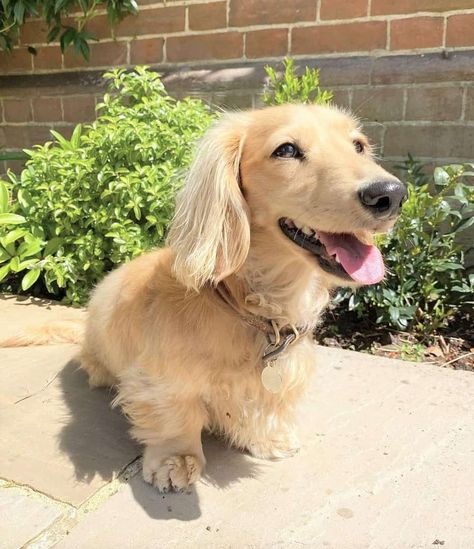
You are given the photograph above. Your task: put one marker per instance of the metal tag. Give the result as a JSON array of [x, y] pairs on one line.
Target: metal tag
[[272, 378]]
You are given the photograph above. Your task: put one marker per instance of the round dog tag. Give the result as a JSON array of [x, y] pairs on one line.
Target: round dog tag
[[271, 378]]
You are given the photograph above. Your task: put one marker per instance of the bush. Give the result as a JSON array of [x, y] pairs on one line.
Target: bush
[[288, 87], [107, 194], [426, 284], [19, 248]]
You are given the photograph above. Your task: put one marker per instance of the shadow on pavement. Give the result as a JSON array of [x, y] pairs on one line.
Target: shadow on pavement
[[95, 437]]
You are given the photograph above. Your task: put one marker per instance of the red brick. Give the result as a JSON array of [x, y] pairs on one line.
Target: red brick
[[20, 137], [470, 104], [47, 58], [416, 33], [460, 31], [385, 7], [34, 32], [343, 9], [434, 103], [47, 109], [103, 54], [341, 98], [378, 104], [16, 166], [79, 108], [18, 60], [154, 21], [148, 51], [17, 110], [208, 16], [266, 43], [100, 27], [340, 38], [269, 12], [227, 45], [374, 133], [430, 141]]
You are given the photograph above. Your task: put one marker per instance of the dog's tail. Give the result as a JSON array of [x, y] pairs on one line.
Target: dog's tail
[[55, 332]]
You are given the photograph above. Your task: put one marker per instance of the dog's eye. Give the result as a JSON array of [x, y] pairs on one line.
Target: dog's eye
[[359, 146], [287, 150]]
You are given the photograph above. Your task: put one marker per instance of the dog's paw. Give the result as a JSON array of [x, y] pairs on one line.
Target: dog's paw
[[280, 448], [172, 473]]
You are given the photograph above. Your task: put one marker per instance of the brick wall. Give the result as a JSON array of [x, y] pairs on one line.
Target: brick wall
[[406, 67]]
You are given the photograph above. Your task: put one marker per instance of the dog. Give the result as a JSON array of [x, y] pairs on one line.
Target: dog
[[279, 208], [214, 332]]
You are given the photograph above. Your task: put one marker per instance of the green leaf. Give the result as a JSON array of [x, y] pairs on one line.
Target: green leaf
[[19, 11], [67, 37], [30, 278], [4, 197], [76, 136], [53, 245], [441, 177], [27, 249], [13, 235], [11, 219], [4, 271], [53, 33]]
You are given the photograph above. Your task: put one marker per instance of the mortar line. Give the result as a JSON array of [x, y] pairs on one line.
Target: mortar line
[[56, 531]]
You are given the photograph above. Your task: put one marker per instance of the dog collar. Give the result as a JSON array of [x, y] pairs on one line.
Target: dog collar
[[278, 339]]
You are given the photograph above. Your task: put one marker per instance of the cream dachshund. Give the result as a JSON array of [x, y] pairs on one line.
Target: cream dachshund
[[215, 331]]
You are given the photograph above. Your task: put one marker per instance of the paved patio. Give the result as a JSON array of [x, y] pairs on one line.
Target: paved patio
[[386, 461]]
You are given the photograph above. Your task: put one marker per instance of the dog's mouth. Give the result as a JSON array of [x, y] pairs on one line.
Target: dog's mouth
[[340, 254]]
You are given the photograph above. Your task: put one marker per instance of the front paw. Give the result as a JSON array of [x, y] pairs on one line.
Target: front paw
[[175, 473], [275, 448]]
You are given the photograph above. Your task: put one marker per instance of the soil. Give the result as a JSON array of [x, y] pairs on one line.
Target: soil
[[449, 348]]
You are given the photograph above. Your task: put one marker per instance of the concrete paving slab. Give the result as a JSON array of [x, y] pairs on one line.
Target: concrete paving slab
[[56, 435], [386, 462], [18, 312], [23, 515]]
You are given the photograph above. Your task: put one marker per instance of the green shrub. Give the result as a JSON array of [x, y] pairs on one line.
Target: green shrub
[[288, 87], [19, 248], [107, 194], [427, 283]]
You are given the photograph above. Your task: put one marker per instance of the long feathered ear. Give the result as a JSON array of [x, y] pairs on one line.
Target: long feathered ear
[[210, 232]]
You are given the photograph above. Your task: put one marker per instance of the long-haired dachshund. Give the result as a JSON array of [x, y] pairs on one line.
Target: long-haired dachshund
[[215, 331]]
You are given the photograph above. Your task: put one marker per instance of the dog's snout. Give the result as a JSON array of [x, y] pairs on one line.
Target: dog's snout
[[384, 198]]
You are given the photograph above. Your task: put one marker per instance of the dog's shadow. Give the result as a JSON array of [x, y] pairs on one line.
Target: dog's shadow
[[95, 438]]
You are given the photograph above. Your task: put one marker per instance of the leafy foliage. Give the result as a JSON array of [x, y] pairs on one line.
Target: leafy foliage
[[288, 87], [13, 14], [19, 248], [107, 194], [427, 282]]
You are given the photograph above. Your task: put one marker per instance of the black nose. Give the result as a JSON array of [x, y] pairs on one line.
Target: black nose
[[384, 198]]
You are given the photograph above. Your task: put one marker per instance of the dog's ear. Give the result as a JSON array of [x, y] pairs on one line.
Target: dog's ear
[[210, 232]]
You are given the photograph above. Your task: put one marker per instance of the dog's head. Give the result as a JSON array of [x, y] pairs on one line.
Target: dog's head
[[301, 178]]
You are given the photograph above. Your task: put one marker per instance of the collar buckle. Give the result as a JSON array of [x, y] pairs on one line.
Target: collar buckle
[[281, 342]]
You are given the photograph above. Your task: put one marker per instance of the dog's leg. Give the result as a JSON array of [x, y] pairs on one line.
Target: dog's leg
[[98, 374], [170, 426], [272, 437], [263, 427]]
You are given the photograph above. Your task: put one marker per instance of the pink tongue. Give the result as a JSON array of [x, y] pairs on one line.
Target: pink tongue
[[362, 262]]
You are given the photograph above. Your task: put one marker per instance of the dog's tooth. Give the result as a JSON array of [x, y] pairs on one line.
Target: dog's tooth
[[336, 258], [297, 225], [307, 230]]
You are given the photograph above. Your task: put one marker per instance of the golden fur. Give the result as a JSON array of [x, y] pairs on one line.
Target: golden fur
[[181, 359]]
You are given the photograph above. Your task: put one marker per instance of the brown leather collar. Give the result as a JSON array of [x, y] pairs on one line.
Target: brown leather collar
[[278, 339]]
